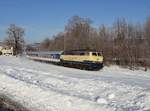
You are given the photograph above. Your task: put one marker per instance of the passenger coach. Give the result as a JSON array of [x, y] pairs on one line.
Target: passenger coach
[[49, 56]]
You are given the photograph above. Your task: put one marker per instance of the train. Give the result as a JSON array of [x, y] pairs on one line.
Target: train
[[82, 59]]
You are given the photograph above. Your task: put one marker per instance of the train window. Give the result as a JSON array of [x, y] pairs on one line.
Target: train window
[[99, 54], [82, 53], [94, 53]]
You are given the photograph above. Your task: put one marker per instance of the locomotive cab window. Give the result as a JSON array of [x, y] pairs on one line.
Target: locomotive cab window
[[99, 54], [94, 53]]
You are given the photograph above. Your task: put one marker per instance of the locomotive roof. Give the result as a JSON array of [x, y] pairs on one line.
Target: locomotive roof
[[82, 50]]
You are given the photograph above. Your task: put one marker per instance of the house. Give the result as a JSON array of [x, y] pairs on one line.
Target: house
[[1, 46], [5, 50]]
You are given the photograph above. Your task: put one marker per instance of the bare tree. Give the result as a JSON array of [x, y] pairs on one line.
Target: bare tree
[[105, 42], [45, 44], [15, 38], [147, 40], [147, 33], [77, 33], [120, 28], [125, 43]]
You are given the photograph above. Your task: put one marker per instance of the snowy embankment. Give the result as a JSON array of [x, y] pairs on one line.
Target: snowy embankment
[[47, 87]]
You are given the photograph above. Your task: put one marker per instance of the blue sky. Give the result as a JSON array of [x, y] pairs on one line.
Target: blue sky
[[44, 18]]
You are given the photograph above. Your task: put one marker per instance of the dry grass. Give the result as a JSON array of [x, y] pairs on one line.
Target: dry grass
[[7, 104]]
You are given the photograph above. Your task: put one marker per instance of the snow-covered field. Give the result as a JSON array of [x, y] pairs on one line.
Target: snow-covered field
[[46, 87]]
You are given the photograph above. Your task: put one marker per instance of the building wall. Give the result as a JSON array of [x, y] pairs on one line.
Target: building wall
[[6, 50], [1, 48]]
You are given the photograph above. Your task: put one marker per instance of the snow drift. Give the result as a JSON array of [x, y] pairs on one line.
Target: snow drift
[[46, 87]]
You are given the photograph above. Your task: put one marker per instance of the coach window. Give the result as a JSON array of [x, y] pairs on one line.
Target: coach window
[[82, 53]]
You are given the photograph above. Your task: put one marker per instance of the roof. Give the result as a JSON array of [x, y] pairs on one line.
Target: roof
[[81, 50], [46, 52]]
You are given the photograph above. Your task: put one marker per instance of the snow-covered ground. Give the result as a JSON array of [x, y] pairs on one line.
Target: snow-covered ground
[[46, 87]]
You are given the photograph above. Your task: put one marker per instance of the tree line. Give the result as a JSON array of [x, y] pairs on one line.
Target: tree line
[[123, 43]]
